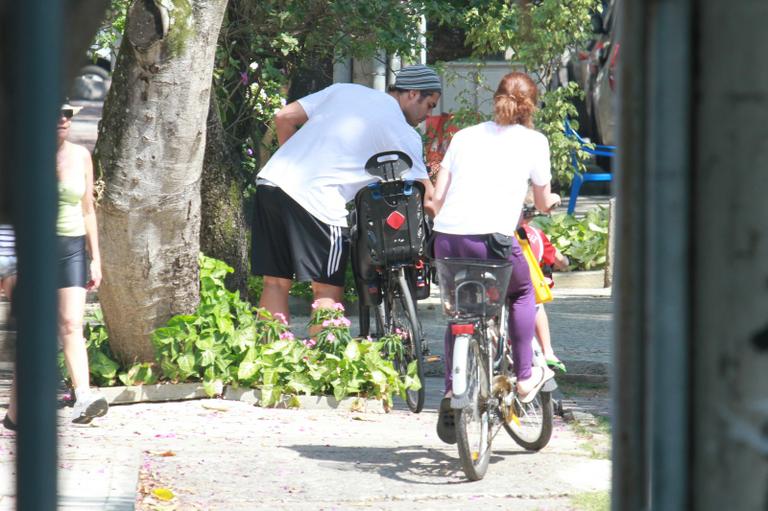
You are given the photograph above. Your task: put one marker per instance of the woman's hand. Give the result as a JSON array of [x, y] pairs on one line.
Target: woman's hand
[[554, 202], [95, 281]]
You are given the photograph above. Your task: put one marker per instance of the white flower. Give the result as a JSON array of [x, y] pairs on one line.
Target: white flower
[[253, 66]]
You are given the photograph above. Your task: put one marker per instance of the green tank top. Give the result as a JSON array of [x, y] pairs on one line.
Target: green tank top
[[70, 221]]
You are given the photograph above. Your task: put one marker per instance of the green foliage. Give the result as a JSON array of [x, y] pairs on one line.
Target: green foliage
[[550, 120], [584, 241], [108, 37], [226, 341], [537, 35]]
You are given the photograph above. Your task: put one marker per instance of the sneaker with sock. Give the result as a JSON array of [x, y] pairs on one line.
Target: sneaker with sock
[[9, 424], [88, 405]]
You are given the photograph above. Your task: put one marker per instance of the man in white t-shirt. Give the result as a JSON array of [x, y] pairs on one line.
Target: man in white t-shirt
[[300, 220]]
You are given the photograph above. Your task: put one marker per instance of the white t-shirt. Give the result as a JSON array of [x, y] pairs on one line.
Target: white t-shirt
[[322, 166], [490, 166]]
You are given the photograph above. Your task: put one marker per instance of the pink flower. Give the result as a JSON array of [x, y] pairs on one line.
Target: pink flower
[[338, 306], [287, 336], [345, 322], [369, 338], [331, 338], [315, 305], [281, 317], [244, 77], [309, 343], [328, 323]]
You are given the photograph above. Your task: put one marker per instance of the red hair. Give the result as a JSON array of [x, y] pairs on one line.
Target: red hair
[[515, 100]]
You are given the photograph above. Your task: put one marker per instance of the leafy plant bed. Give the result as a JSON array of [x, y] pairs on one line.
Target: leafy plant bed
[[226, 342]]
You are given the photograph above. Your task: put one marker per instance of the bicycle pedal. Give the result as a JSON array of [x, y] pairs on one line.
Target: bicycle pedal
[[433, 358]]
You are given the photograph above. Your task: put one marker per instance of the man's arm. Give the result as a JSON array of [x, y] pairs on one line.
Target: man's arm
[[288, 120]]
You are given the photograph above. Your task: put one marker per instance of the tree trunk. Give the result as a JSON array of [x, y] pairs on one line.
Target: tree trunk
[[223, 227], [150, 155]]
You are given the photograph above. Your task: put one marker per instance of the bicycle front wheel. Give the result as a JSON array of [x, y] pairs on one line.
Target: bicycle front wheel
[[403, 320], [473, 422], [531, 427]]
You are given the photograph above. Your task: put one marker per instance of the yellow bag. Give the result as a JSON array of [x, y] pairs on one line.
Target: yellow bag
[[540, 285]]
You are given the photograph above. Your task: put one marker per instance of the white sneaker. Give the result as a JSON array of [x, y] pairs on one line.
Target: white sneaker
[[88, 407]]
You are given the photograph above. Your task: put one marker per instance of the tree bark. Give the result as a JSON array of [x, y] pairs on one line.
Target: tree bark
[[223, 231], [150, 155]]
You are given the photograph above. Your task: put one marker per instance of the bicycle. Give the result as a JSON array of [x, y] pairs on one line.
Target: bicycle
[[473, 293], [387, 233]]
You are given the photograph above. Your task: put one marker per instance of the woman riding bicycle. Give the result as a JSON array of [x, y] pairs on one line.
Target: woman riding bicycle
[[478, 197]]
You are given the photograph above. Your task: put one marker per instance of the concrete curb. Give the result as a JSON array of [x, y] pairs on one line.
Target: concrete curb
[[187, 391], [155, 393]]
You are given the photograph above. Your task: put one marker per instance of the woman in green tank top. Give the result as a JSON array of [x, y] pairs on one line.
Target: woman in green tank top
[[77, 233], [77, 240]]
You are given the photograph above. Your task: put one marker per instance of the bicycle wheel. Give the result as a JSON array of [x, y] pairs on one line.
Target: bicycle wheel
[[473, 421], [402, 318], [533, 427]]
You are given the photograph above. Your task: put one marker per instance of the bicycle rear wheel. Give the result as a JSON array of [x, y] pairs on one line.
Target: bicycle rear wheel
[[402, 318], [473, 422], [531, 429]]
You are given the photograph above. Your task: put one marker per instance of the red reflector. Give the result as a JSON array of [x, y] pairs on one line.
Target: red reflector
[[395, 220], [463, 329]]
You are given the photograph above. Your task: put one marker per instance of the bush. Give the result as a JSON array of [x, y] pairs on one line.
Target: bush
[[226, 341], [584, 241]]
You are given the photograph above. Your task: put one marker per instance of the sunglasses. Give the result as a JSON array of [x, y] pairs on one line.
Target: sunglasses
[[67, 113]]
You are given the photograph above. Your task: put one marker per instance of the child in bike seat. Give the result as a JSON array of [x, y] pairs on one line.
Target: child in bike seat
[[549, 258]]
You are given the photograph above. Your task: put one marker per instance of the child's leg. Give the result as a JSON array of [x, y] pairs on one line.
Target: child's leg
[[542, 333]]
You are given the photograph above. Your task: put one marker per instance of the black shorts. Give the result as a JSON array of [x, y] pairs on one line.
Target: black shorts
[[289, 242], [73, 262]]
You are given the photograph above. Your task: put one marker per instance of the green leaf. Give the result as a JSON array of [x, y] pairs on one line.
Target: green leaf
[[352, 351], [211, 387], [246, 371], [340, 391], [186, 363]]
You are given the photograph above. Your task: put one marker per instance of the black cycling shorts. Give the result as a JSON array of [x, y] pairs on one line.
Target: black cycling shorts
[[289, 242], [73, 261]]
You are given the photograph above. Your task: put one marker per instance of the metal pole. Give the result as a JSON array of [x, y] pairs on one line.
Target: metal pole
[[653, 327], [668, 202], [34, 108]]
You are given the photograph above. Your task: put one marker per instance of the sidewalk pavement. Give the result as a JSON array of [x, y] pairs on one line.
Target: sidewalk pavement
[[215, 454], [226, 455]]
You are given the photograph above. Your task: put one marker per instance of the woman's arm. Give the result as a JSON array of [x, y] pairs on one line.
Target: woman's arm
[[89, 218], [441, 189], [544, 200], [429, 192]]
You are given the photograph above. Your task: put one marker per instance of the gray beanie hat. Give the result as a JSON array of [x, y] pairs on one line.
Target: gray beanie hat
[[418, 77]]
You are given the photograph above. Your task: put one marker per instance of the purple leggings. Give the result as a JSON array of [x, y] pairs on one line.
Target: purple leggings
[[522, 301]]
